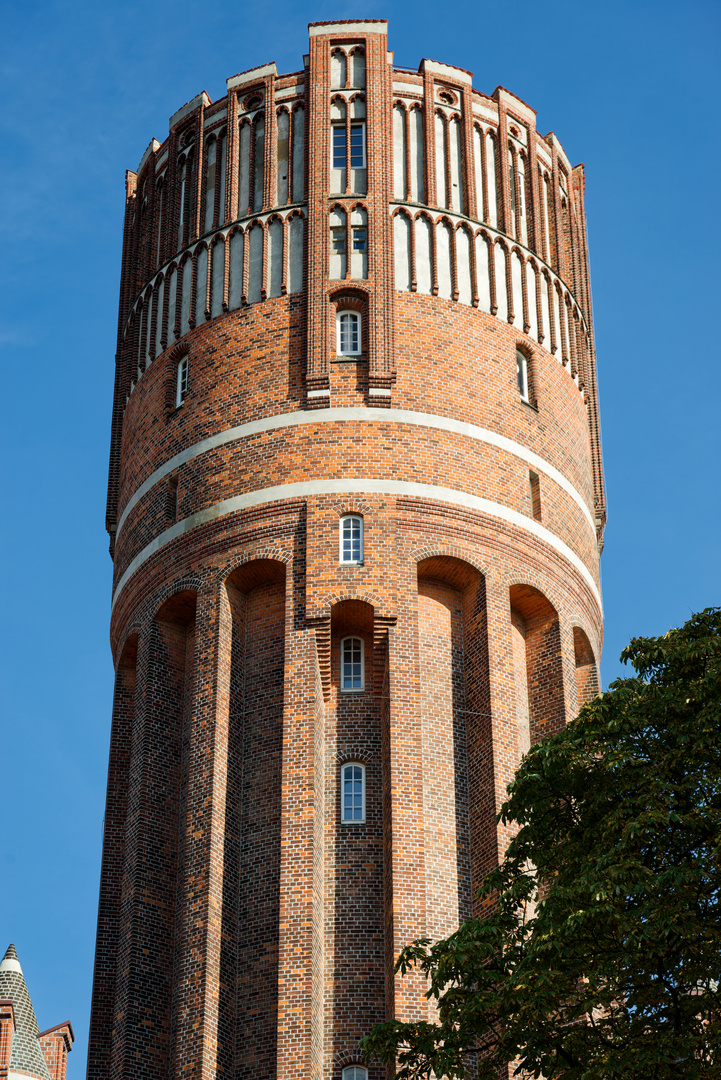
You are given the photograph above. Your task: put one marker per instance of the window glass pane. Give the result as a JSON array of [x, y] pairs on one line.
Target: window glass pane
[[522, 374], [359, 239], [349, 333], [356, 147], [339, 146], [338, 239], [351, 546], [352, 664]]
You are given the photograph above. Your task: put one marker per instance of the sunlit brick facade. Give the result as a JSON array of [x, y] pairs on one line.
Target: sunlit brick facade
[[355, 506]]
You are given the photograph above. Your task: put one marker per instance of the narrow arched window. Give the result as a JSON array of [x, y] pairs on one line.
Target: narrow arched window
[[351, 539], [181, 381], [522, 374], [348, 333], [351, 665], [355, 1072], [353, 804]]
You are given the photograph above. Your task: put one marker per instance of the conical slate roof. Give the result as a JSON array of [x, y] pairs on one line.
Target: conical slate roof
[[26, 1054]]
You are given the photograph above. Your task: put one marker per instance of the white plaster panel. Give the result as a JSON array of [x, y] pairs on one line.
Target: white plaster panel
[[443, 260], [463, 263], [159, 320], [185, 297], [255, 263], [186, 110], [418, 187], [457, 201], [545, 313], [379, 27], [483, 278], [441, 198], [447, 71], [399, 152], [244, 170], [517, 283], [414, 89], [201, 287], [298, 154], [484, 112], [424, 280], [295, 255], [531, 293], [275, 255], [172, 300], [235, 278], [253, 75], [216, 295], [401, 251], [491, 178], [501, 288]]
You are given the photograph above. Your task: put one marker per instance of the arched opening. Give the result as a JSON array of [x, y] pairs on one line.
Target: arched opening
[[455, 736], [354, 846], [111, 877], [587, 681], [160, 821], [255, 595], [537, 666]]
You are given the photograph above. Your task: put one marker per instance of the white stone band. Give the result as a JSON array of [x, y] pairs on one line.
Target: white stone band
[[310, 488], [363, 415]]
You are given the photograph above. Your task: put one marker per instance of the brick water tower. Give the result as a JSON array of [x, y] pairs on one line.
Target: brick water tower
[[355, 507]]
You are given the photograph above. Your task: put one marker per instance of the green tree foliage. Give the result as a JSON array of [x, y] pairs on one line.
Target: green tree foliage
[[599, 953]]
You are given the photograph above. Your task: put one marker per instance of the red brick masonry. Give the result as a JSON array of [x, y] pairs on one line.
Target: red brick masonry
[[244, 930]]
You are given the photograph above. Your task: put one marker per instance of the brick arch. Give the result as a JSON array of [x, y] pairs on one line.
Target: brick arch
[[297, 212], [351, 593], [178, 351], [133, 630], [453, 551], [343, 1058], [530, 581], [357, 205], [343, 756], [272, 554], [184, 583], [353, 506], [401, 104], [404, 212], [352, 292]]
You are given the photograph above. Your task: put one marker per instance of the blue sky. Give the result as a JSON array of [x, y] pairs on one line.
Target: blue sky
[[630, 88]]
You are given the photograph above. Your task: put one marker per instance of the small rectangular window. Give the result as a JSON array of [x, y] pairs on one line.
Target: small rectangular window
[[181, 385], [352, 664], [337, 239], [357, 146], [351, 539], [359, 239], [535, 486], [348, 334], [522, 374], [353, 810], [339, 146]]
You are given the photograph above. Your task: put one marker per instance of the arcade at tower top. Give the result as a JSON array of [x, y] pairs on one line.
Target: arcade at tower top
[[354, 170]]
